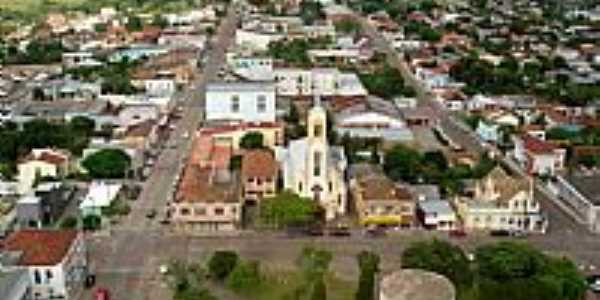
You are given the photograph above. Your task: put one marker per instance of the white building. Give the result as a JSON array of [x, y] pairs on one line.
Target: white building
[[55, 261], [314, 169], [437, 215], [41, 163], [503, 202], [538, 157], [100, 195], [256, 40], [580, 194], [373, 124], [322, 81], [240, 101]]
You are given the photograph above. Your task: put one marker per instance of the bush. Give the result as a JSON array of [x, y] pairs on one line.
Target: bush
[[245, 276], [69, 222], [222, 263], [92, 222]]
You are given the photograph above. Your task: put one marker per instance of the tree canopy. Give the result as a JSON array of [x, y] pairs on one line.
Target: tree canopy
[[222, 263], [386, 82], [107, 164], [440, 257], [252, 140], [287, 209]]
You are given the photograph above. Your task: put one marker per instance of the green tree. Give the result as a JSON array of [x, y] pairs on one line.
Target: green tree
[[287, 209], [134, 23], [368, 263], [347, 26], [318, 290], [440, 257], [252, 140], [107, 164], [159, 21], [402, 163], [69, 222], [314, 263], [222, 263], [92, 222], [245, 276]]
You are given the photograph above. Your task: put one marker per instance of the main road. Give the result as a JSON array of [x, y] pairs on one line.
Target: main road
[[123, 259]]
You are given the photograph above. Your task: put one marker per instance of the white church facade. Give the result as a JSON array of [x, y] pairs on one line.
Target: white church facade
[[312, 168]]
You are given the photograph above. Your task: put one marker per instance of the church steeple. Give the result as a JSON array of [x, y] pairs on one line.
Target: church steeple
[[317, 122]]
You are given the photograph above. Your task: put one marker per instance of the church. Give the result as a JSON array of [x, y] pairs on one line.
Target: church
[[313, 169]]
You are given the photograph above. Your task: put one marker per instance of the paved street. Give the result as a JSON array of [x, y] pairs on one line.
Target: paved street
[[125, 260]]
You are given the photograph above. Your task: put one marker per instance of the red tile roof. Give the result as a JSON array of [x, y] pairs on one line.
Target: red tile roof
[[40, 247], [259, 164], [50, 157], [537, 146]]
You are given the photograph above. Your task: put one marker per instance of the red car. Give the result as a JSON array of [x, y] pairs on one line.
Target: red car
[[458, 233], [101, 294]]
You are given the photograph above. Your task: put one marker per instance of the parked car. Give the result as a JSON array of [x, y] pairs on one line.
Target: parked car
[[518, 233], [500, 233], [457, 233], [90, 281], [151, 214], [375, 232], [594, 283], [340, 231], [101, 294], [314, 231]]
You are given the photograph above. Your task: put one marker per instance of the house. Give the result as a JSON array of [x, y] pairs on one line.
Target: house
[[14, 284], [378, 119], [319, 81], [208, 195], [240, 101], [579, 194], [313, 169], [81, 59], [42, 163], [44, 206], [378, 200], [56, 261], [501, 201], [100, 195], [488, 132], [259, 175], [437, 215], [230, 135], [257, 40], [537, 156]]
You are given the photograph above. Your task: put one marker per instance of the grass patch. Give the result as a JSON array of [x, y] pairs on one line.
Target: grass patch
[[280, 285]]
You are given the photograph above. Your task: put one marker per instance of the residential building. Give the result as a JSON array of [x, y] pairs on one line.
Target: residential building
[[80, 59], [313, 169], [323, 82], [437, 215], [43, 206], [56, 261], [501, 201], [378, 200], [580, 194], [230, 135], [537, 156], [14, 284], [208, 195], [41, 163], [100, 195], [378, 119], [259, 175], [488, 132], [240, 101]]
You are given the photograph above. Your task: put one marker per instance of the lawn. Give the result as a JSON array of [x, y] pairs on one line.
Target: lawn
[[279, 285]]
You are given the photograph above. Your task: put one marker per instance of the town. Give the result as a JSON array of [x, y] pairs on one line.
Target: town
[[299, 149]]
